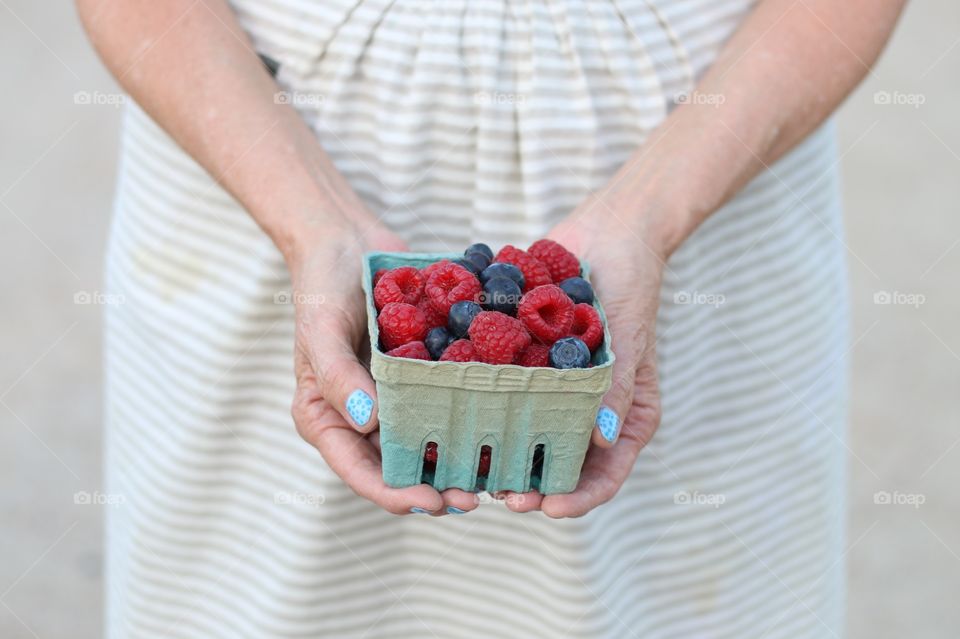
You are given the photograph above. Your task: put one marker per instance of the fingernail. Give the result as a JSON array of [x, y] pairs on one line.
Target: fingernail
[[608, 423], [419, 511], [453, 510], [360, 407]]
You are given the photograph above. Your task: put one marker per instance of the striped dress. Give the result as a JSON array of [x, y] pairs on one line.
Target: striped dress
[[461, 121]]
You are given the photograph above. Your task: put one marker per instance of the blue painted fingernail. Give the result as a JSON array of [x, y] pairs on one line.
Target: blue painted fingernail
[[360, 407], [419, 511], [608, 423], [453, 510]]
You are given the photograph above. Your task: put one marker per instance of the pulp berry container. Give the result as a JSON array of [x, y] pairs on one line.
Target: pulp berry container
[[536, 422]]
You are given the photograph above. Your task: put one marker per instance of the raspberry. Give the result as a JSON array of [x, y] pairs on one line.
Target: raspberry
[[450, 283], [376, 276], [535, 272], [483, 468], [434, 317], [534, 355], [403, 284], [561, 263], [587, 326], [401, 323], [461, 350], [411, 350], [427, 271], [431, 454], [498, 338], [547, 312]]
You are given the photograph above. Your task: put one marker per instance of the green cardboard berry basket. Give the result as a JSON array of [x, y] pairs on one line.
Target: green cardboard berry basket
[[536, 421]]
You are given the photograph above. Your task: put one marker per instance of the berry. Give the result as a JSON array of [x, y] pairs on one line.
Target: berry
[[450, 283], [483, 467], [501, 294], [460, 261], [478, 261], [401, 323], [460, 317], [578, 289], [411, 350], [547, 313], [587, 326], [430, 455], [534, 355], [561, 263], [498, 338], [461, 350], [502, 269], [376, 276], [481, 248], [437, 340], [403, 284], [535, 272], [434, 317], [428, 270], [569, 352]]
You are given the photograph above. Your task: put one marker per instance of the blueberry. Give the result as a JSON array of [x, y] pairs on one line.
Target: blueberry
[[501, 294], [502, 269], [461, 316], [437, 340], [467, 264], [482, 248], [478, 260], [578, 289], [569, 352]]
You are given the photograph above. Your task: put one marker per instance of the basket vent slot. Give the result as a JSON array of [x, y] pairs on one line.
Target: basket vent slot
[[536, 470], [431, 453], [483, 466]]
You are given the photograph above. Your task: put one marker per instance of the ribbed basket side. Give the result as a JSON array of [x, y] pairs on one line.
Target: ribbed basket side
[[463, 406]]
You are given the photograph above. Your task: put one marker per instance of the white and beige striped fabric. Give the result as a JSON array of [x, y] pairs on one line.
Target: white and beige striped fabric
[[461, 121]]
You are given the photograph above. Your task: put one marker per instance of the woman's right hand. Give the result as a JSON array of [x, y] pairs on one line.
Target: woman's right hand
[[335, 404]]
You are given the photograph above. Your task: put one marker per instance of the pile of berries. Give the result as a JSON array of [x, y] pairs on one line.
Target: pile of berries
[[529, 308]]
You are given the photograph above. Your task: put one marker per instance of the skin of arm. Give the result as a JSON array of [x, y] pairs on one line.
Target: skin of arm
[[785, 70]]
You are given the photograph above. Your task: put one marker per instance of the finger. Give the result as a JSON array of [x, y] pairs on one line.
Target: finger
[[459, 502], [344, 382], [522, 502], [604, 470]]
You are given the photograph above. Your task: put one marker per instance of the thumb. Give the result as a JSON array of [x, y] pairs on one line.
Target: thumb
[[344, 382], [631, 337]]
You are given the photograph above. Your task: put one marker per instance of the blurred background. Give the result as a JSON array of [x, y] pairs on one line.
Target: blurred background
[[900, 145]]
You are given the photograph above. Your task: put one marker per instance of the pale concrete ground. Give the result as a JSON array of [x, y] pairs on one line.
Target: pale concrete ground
[[901, 164]]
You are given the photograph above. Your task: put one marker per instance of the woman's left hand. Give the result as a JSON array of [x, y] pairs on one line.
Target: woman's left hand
[[625, 270]]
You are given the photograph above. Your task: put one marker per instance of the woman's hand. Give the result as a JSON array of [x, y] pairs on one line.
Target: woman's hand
[[335, 404], [625, 269]]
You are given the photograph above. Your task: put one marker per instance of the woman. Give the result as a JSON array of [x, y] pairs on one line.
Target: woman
[[678, 146]]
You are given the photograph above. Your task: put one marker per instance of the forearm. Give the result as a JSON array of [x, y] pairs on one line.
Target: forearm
[[784, 71], [191, 67]]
